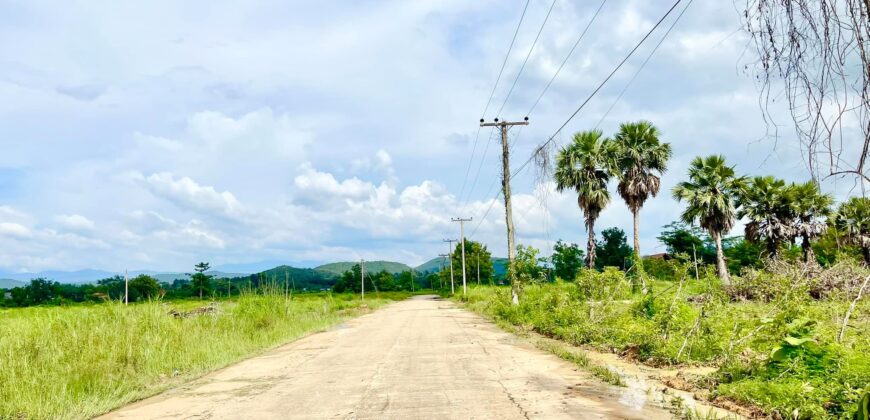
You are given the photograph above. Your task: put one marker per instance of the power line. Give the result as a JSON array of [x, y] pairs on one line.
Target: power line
[[648, 57], [526, 60], [489, 101], [601, 85], [559, 70], [565, 60]]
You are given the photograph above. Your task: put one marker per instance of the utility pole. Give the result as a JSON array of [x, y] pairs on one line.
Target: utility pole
[[506, 192], [441, 279], [462, 243], [126, 288], [412, 280], [362, 277], [478, 267], [450, 255]]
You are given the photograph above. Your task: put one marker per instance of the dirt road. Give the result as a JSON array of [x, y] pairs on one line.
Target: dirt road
[[417, 359]]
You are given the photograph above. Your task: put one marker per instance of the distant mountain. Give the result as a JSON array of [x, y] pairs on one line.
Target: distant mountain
[[69, 277], [431, 266], [9, 283], [170, 277], [371, 267], [499, 266]]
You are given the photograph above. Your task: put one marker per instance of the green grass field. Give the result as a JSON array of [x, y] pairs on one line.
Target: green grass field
[[81, 361], [815, 376]]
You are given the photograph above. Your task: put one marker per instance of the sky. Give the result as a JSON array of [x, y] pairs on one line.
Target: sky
[[154, 135]]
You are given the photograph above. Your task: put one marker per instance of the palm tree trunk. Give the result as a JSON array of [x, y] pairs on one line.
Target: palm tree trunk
[[809, 255], [636, 214], [590, 244], [721, 268]]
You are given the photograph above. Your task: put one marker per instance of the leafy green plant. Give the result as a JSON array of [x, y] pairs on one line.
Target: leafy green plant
[[798, 338], [863, 411]]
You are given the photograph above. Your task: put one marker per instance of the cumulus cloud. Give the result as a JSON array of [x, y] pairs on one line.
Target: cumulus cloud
[[188, 194], [354, 146], [74, 222], [14, 230]]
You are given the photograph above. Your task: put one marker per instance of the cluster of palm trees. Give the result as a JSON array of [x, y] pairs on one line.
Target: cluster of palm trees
[[775, 213], [635, 157]]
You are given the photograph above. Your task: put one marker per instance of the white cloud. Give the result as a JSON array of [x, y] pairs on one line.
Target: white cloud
[[186, 193], [74, 222], [15, 230]]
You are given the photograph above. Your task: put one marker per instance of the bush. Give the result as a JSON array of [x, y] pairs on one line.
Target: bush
[[609, 284]]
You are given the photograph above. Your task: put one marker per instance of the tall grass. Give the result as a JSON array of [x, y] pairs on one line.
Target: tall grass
[[823, 380], [80, 361]]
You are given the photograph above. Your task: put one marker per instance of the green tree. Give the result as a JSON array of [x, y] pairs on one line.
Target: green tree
[[852, 220], [740, 253], [708, 195], [527, 266], [612, 249], [641, 158], [567, 260], [810, 208], [143, 286], [766, 203], [349, 281], [585, 166], [475, 253], [681, 238], [199, 280]]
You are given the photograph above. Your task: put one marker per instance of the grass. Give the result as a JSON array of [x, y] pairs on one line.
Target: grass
[[820, 379], [81, 361]]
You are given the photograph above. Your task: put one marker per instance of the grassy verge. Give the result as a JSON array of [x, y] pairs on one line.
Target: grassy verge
[[818, 378], [77, 362]]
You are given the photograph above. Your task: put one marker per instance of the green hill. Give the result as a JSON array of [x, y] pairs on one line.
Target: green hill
[[431, 266], [371, 267], [499, 266], [298, 278], [9, 283]]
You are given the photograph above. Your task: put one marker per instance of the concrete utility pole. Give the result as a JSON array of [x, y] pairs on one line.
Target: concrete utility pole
[[450, 255], [506, 192], [462, 242], [443, 257], [362, 277], [478, 267], [126, 288]]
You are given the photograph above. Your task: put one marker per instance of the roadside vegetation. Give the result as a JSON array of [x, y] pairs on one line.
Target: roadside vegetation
[[83, 360], [780, 311]]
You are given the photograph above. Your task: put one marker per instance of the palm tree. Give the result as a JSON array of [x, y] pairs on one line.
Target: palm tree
[[709, 201], [585, 166], [810, 207], [640, 156], [853, 220], [766, 203]]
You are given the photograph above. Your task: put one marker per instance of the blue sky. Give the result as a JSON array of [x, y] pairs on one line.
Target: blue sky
[[158, 134]]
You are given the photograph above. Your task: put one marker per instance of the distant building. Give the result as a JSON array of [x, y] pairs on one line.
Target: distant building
[[660, 256]]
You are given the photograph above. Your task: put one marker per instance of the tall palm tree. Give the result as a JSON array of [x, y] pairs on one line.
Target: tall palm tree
[[766, 203], [585, 166], [853, 220], [640, 158], [810, 208], [708, 195]]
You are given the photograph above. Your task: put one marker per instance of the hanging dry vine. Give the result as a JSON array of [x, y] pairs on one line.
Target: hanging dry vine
[[820, 51]]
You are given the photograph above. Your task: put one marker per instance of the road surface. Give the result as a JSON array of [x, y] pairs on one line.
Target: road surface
[[421, 358]]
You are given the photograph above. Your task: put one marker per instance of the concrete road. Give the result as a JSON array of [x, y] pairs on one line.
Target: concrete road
[[422, 358]]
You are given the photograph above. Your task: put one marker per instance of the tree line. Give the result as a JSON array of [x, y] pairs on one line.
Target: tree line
[[715, 196]]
